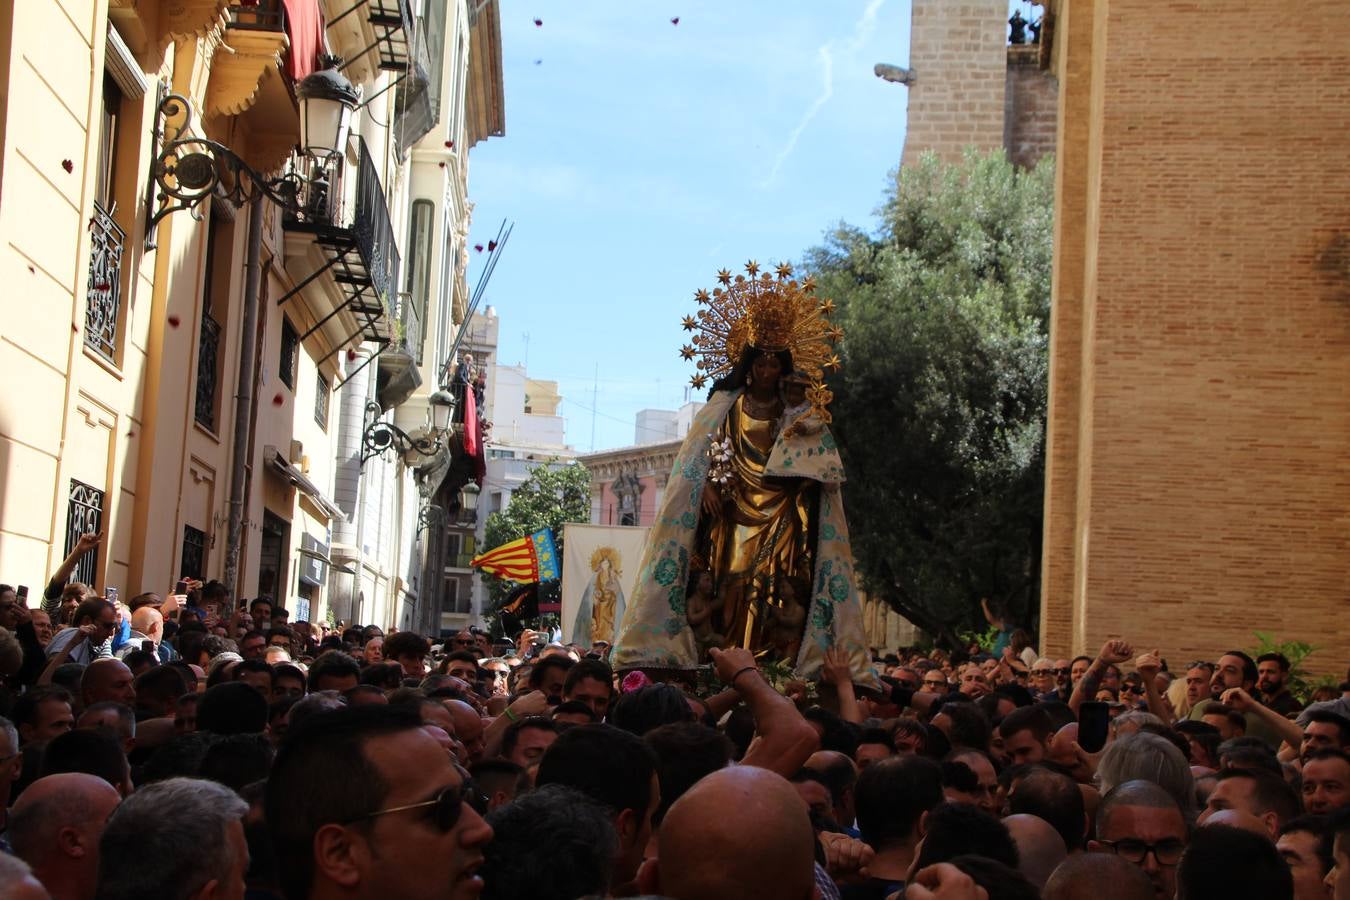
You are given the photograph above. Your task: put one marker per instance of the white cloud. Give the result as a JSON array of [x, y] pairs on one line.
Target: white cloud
[[863, 30]]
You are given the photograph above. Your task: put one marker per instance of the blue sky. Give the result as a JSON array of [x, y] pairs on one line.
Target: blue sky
[[641, 156]]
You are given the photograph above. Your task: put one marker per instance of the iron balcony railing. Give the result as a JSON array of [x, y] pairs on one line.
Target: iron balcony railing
[[342, 213], [409, 326], [374, 231], [208, 355], [105, 284], [258, 15]]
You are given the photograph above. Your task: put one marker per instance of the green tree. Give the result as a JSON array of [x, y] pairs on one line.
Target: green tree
[[554, 493], [940, 402]]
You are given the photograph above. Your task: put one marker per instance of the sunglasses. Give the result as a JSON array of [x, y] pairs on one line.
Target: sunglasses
[[445, 808]]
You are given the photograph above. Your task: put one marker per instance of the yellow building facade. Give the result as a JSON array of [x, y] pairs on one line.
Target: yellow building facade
[[123, 343]]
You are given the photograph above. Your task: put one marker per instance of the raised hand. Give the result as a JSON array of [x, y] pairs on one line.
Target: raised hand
[[835, 669], [1116, 651], [1149, 664], [730, 661]]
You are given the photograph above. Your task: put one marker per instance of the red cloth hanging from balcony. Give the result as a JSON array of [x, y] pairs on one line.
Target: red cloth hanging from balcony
[[470, 423], [304, 27]]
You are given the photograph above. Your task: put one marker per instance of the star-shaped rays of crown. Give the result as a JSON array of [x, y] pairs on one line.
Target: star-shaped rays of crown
[[767, 312]]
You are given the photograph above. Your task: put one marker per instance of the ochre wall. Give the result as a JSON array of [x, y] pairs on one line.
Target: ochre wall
[[1197, 478], [958, 53], [1030, 107]]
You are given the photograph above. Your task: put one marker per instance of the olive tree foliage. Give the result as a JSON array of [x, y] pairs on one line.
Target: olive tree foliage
[[552, 495], [940, 402]]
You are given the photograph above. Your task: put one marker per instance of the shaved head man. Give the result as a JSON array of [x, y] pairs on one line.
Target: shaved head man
[[108, 679], [739, 832], [1097, 876], [55, 828], [468, 728], [1040, 849]]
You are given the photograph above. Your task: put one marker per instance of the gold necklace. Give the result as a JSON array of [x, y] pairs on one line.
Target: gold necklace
[[761, 409]]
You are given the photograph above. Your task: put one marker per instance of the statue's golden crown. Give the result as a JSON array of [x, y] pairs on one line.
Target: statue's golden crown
[[766, 313]]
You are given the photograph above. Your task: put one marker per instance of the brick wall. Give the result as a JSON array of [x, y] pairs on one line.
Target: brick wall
[[1197, 478], [958, 56], [1030, 107]]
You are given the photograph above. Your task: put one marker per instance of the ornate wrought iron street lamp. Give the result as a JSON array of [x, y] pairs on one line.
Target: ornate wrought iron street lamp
[[188, 169], [381, 436]]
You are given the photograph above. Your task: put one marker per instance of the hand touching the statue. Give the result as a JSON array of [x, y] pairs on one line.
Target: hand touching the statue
[[712, 501], [730, 661]]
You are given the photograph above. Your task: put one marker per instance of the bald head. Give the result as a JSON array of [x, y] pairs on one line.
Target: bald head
[[1040, 849], [1098, 876], [1236, 818], [58, 813], [468, 728], [107, 679], [739, 832], [149, 622]]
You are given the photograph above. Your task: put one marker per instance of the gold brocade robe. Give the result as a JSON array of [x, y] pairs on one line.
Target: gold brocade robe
[[763, 534]]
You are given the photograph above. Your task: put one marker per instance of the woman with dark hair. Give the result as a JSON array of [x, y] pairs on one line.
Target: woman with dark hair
[[753, 497]]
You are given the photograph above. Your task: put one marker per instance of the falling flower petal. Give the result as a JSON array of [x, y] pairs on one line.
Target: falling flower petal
[[351, 355], [68, 166], [442, 165], [675, 21], [174, 321], [278, 400], [450, 144], [538, 23], [478, 247], [538, 62], [492, 245]]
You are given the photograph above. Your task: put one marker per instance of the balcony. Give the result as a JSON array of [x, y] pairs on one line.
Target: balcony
[[104, 291], [257, 42], [371, 35], [420, 105], [399, 373], [344, 241]]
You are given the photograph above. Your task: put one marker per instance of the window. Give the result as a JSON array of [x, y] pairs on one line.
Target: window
[[215, 308], [321, 392], [194, 553], [84, 515], [419, 263], [103, 306], [290, 350]]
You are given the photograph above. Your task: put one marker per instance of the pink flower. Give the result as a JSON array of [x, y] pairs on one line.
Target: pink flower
[[634, 680]]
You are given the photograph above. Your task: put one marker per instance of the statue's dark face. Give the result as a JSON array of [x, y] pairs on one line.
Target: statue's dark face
[[767, 370]]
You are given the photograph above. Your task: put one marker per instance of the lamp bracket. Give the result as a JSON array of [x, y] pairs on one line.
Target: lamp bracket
[[189, 169]]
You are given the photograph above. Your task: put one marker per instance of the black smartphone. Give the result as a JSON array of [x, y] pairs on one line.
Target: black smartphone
[[110, 594], [22, 592], [148, 646], [181, 586], [1094, 717]]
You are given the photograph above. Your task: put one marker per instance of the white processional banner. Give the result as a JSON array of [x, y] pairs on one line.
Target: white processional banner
[[600, 564]]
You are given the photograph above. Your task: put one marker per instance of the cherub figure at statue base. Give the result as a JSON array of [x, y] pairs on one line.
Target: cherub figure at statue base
[[701, 606], [787, 622]]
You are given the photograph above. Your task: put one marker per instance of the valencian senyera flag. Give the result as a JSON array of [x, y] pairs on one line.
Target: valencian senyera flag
[[525, 560]]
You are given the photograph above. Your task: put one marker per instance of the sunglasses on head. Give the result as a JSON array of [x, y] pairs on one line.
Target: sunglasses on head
[[444, 809]]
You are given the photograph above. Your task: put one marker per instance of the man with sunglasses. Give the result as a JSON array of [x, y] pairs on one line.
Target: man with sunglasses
[[398, 825], [1141, 823]]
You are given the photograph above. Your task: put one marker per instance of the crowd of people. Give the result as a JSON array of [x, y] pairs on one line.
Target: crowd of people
[[184, 746]]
